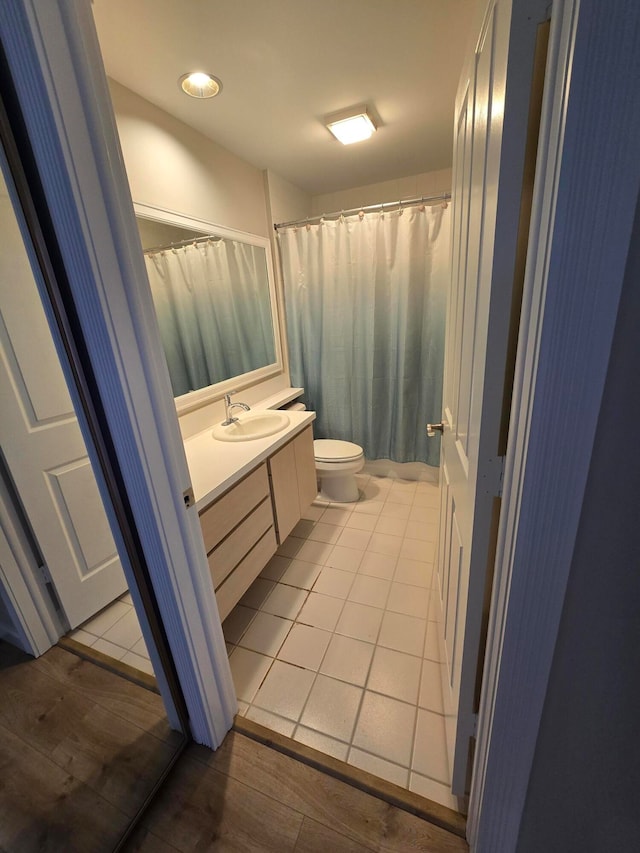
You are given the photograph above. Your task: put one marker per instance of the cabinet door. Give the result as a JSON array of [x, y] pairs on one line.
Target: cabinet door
[[284, 488], [306, 469]]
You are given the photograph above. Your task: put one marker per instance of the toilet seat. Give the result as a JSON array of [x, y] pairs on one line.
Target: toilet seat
[[333, 450]]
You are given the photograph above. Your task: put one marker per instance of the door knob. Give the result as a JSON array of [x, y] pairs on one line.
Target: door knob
[[432, 429]]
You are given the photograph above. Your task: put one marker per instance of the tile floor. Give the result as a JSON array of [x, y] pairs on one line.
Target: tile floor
[[115, 631], [336, 642]]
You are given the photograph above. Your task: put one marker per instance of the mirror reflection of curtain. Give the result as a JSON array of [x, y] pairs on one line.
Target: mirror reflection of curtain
[[365, 304], [213, 309]]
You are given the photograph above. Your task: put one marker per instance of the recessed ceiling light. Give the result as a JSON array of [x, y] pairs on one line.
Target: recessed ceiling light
[[352, 125], [198, 84]]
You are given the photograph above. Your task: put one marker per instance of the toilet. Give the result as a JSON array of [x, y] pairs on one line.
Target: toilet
[[337, 463]]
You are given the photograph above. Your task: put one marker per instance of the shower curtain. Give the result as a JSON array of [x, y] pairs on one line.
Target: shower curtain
[[212, 324], [365, 305]]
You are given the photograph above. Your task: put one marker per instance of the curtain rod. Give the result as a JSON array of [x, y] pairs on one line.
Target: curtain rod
[[181, 243], [411, 202]]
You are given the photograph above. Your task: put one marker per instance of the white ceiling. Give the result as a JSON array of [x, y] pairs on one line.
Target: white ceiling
[[285, 64]]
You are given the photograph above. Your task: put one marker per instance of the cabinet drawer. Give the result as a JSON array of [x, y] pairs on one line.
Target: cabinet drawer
[[224, 558], [241, 578], [223, 515]]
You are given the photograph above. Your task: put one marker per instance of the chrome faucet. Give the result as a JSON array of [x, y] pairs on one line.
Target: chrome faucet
[[228, 405]]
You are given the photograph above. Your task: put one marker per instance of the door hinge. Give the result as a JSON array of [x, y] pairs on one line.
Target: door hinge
[[474, 726], [48, 585], [494, 476]]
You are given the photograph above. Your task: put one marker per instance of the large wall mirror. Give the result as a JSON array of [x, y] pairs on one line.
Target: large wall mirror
[[215, 300]]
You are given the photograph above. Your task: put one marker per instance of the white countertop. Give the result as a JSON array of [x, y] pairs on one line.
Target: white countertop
[[216, 465]]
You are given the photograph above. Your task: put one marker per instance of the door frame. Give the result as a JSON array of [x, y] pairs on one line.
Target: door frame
[[63, 112], [581, 223]]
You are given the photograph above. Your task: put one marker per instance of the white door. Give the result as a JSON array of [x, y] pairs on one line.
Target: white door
[[42, 444], [489, 147]]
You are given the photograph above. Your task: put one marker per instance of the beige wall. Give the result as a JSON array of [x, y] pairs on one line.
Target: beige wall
[[424, 184], [172, 166], [286, 201]]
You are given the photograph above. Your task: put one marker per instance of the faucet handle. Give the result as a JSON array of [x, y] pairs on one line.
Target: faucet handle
[[227, 396]]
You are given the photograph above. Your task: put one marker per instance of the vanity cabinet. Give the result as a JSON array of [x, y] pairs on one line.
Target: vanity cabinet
[[293, 482], [243, 527]]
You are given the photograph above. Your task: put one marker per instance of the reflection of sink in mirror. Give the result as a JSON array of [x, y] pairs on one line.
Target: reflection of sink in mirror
[[251, 425]]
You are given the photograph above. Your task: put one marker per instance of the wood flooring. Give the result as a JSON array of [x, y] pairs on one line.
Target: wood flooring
[[249, 797], [80, 748]]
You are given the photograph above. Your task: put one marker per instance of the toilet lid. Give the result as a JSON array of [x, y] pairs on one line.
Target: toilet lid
[[332, 450]]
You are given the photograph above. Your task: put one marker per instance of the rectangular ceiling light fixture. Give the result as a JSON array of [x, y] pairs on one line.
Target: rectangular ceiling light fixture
[[352, 125]]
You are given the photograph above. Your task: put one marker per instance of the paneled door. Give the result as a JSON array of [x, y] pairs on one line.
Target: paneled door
[[43, 446], [489, 151]]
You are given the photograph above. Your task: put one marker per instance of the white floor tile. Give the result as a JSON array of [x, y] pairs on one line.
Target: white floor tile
[[432, 644], [348, 660], [427, 499], [390, 526], [410, 600], [429, 752], [334, 582], [313, 513], [303, 528], [305, 646], [400, 497], [417, 549], [332, 707], [382, 543], [284, 691], [248, 669], [138, 662], [325, 533], [140, 648], [285, 601], [430, 696], [110, 649], [336, 516], [413, 572], [395, 674], [290, 546], [323, 743], [360, 622], [379, 767], [360, 521], [243, 707], [237, 623], [126, 598], [301, 574], [266, 634], [101, 623], [369, 507], [271, 721], [347, 559], [422, 531], [257, 593], [433, 790], [125, 632], [425, 515], [435, 609], [385, 728], [320, 611], [378, 565], [314, 552], [82, 636], [352, 538], [402, 633], [275, 568], [370, 591], [398, 511]]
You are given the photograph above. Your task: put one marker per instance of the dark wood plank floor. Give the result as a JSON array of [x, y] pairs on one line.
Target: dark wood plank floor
[[248, 797], [80, 749]]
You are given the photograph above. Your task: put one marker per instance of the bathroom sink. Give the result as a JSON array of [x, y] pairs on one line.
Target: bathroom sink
[[251, 425]]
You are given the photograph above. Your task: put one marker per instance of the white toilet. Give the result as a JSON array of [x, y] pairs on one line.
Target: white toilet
[[337, 463]]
